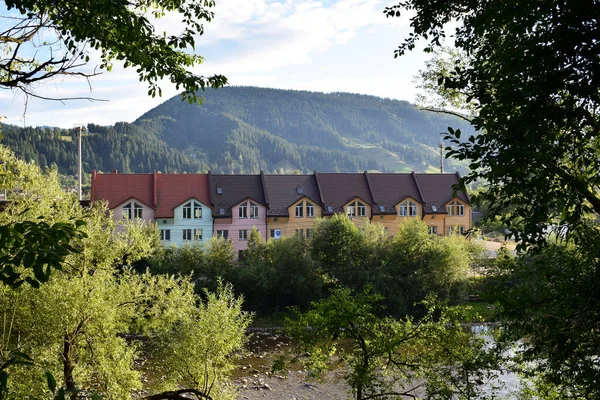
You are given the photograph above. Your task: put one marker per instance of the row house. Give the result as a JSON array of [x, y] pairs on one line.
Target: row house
[[238, 206], [294, 203], [191, 208], [178, 203]]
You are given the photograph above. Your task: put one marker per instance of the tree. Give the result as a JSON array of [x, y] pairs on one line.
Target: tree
[[52, 38], [390, 358], [83, 325], [544, 297], [528, 69]]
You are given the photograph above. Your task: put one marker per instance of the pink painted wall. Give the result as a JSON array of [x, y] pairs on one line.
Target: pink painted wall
[[238, 224], [147, 213]]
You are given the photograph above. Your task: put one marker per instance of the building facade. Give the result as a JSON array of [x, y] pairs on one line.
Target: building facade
[[192, 208]]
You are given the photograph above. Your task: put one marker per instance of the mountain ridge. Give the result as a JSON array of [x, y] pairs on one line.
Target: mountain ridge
[[248, 129]]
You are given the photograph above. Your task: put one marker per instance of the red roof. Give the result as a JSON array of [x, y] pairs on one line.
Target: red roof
[[116, 188], [162, 192], [173, 190]]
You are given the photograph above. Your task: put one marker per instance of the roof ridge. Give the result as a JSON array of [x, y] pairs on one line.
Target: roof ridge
[[418, 187], [370, 189], [319, 188]]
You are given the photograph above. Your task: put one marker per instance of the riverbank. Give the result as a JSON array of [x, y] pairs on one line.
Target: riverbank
[[255, 380]]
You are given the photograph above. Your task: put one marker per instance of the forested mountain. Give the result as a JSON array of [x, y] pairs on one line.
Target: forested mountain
[[246, 129]]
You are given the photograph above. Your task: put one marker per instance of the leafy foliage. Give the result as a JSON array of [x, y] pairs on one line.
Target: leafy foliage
[[390, 358], [83, 326], [528, 70], [543, 298], [47, 39], [404, 269]]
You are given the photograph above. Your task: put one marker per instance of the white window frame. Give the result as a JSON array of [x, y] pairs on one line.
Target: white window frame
[[127, 211], [138, 211], [461, 229], [432, 230], [308, 233], [198, 234], [449, 230], [299, 210], [133, 210], [361, 209], [310, 210], [412, 209], [253, 210], [451, 209], [165, 235], [243, 234], [187, 211], [197, 210], [402, 210], [243, 211], [352, 210], [460, 209], [187, 234], [300, 232], [223, 233]]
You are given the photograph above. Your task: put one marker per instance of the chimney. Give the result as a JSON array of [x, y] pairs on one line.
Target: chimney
[[115, 171]]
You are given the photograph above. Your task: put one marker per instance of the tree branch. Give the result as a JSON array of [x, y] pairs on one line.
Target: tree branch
[[435, 110], [178, 395]]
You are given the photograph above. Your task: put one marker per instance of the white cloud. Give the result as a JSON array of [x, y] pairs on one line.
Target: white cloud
[[344, 45]]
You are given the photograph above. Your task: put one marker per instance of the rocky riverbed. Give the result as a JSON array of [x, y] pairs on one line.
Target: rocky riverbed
[[255, 380]]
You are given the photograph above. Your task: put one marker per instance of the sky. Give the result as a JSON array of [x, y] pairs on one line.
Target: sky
[[323, 46]]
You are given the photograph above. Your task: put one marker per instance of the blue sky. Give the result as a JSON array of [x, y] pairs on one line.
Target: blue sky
[[325, 46]]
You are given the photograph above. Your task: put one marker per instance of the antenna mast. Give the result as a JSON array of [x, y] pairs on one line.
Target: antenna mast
[[80, 127]]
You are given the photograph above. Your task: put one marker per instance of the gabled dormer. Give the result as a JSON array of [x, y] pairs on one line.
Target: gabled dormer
[[357, 208], [409, 207], [191, 211], [133, 209]]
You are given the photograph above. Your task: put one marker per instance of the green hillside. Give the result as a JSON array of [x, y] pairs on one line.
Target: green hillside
[[246, 129]]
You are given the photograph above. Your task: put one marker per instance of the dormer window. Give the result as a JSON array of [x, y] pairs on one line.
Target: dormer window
[[352, 211], [456, 209], [330, 209], [133, 210], [253, 210], [356, 209], [192, 210], [299, 210], [221, 211], [310, 210], [381, 208], [408, 208], [299, 189], [243, 211], [362, 210], [219, 189]]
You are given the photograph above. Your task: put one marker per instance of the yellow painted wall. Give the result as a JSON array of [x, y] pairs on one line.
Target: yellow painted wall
[[437, 220], [456, 220], [289, 225], [392, 222], [359, 221]]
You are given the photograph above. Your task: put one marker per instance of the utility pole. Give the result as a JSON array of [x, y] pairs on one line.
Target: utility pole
[[441, 155], [81, 128]]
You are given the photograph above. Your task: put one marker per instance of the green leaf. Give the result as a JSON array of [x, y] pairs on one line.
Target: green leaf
[[51, 381]]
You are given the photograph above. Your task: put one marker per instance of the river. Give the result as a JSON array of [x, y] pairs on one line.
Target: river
[[255, 381]]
